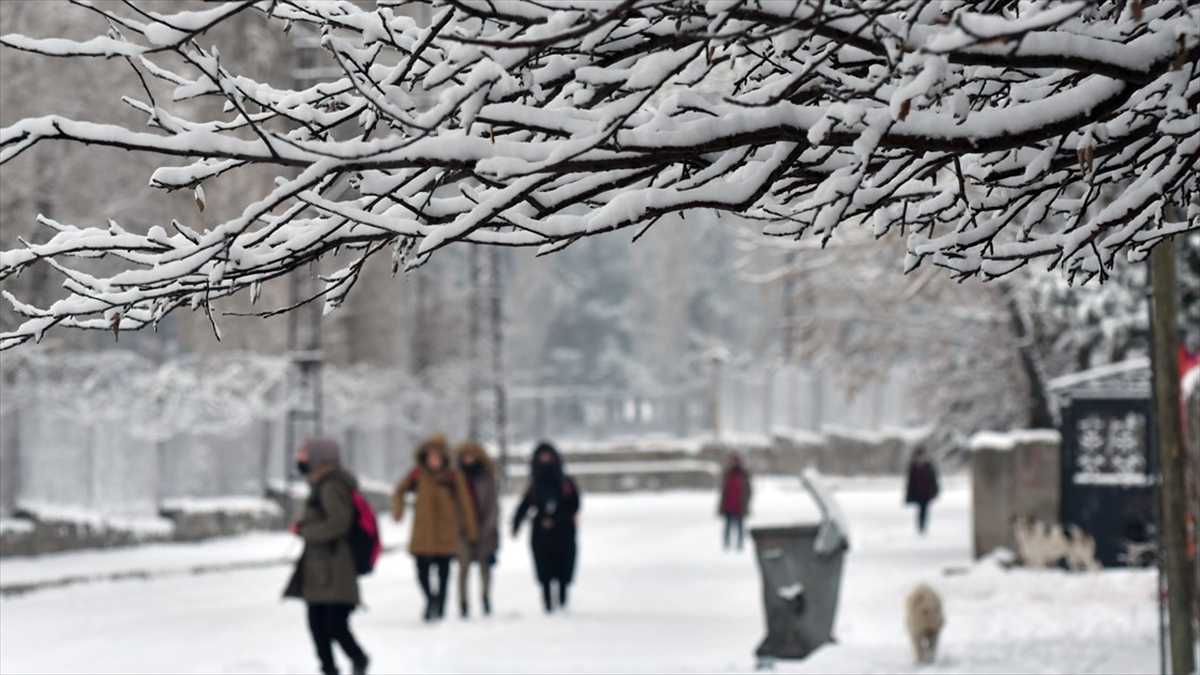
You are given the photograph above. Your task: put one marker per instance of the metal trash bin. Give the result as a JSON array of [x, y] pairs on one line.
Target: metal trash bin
[[801, 568]]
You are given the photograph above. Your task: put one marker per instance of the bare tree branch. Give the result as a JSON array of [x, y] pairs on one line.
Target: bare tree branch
[[985, 132]]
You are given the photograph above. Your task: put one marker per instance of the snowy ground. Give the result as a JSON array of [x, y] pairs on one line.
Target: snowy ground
[[655, 594]]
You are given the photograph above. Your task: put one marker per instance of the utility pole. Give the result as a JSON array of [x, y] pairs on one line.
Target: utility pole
[[716, 359], [1172, 460], [497, 289], [305, 356], [474, 311]]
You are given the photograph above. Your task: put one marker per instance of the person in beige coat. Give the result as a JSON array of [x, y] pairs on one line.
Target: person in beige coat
[[444, 517], [325, 576], [480, 475]]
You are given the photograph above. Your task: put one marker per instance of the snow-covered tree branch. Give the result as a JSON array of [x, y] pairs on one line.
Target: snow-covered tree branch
[[990, 133]]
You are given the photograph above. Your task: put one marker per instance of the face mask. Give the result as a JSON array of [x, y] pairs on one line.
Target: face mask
[[302, 466]]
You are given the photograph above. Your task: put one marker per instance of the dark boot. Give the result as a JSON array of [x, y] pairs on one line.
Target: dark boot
[[487, 606], [562, 594], [441, 605], [463, 608], [547, 599], [430, 610], [360, 667]]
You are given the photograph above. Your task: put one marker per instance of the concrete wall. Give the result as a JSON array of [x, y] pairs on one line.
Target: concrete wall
[[627, 476], [35, 531], [1012, 475], [832, 453]]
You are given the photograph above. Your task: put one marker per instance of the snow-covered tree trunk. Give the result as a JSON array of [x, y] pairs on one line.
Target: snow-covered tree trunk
[[1025, 330]]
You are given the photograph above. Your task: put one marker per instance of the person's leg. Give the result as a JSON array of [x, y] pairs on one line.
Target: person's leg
[[547, 597], [741, 531], [318, 625], [562, 593], [443, 570], [922, 515], [728, 530], [423, 564], [485, 585], [339, 629], [464, 569]]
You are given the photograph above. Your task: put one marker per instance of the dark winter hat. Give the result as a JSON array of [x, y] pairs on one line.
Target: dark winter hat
[[322, 451], [546, 447]]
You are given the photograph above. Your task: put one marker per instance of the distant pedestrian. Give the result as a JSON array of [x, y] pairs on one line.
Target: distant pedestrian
[[922, 486], [480, 474], [444, 518], [325, 576], [554, 498], [735, 499]]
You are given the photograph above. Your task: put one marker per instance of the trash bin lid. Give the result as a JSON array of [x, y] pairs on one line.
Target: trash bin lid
[[801, 530]]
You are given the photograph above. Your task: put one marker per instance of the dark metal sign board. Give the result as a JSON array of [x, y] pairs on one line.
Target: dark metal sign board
[[1108, 475]]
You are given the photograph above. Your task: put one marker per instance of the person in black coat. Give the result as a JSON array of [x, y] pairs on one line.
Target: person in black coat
[[922, 486], [554, 499]]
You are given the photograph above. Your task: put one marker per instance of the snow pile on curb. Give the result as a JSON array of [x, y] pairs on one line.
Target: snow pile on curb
[[15, 525], [1006, 441], [146, 526], [228, 505]]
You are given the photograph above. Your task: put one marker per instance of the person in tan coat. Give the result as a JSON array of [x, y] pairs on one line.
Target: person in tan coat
[[480, 475], [444, 518]]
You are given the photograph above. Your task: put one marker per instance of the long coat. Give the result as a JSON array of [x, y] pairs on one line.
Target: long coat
[[325, 573], [555, 503], [741, 507], [485, 498], [444, 513], [922, 484]]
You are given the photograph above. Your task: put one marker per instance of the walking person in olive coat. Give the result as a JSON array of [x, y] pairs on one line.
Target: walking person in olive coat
[[554, 498], [922, 486], [325, 576], [735, 499], [480, 475], [444, 518]]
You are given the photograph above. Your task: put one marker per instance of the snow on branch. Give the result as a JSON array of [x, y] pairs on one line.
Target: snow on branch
[[991, 134]]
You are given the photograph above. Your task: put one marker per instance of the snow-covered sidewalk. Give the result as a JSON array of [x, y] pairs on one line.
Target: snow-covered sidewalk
[[259, 549], [655, 593]]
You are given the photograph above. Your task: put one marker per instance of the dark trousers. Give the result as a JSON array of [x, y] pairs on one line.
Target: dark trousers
[[329, 624], [435, 602], [730, 523], [922, 515]]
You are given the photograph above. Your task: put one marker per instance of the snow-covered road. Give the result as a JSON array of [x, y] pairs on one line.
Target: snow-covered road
[[655, 593]]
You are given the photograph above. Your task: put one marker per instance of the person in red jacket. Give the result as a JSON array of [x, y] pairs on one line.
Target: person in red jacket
[[922, 486], [735, 499]]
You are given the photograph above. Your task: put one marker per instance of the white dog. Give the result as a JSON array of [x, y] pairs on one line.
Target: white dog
[[924, 621], [1041, 544], [1081, 550], [1038, 543]]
